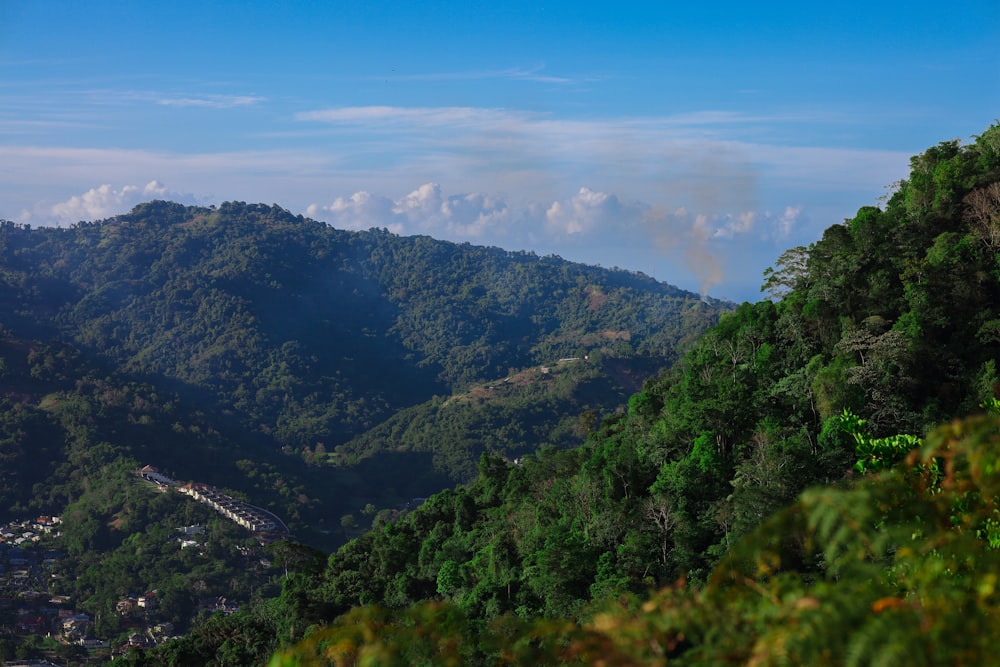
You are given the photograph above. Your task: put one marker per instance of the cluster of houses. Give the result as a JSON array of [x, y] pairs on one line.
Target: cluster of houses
[[136, 604], [135, 610], [47, 619], [27, 570], [24, 576], [252, 518], [30, 530]]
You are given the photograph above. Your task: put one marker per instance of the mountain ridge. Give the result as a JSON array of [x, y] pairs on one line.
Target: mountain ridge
[[301, 337]]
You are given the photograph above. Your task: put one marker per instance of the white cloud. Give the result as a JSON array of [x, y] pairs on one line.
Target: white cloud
[[534, 74], [734, 225], [694, 160], [684, 186], [423, 204], [819, 168], [362, 210], [786, 222], [211, 101], [412, 116], [107, 96], [669, 162], [424, 210], [474, 215], [104, 201], [588, 210], [34, 179]]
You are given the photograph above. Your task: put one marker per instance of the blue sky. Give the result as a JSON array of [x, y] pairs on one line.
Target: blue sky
[[690, 141]]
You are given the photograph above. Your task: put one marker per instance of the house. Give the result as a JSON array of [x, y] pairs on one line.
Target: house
[[127, 605], [76, 625], [164, 629], [218, 604]]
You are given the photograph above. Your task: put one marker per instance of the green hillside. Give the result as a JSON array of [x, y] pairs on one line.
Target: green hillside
[[887, 326], [299, 327], [276, 358]]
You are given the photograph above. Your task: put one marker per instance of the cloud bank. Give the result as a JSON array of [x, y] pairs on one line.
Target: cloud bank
[[103, 201], [705, 241], [584, 219]]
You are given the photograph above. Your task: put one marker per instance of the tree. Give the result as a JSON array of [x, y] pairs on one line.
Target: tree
[[896, 569], [787, 274], [449, 578], [983, 213]]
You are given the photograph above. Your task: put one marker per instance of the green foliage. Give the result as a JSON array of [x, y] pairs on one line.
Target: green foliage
[[882, 572], [787, 273], [431, 634], [548, 406], [873, 454]]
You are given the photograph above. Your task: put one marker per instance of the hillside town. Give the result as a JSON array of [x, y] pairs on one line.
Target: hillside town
[[29, 611], [40, 626]]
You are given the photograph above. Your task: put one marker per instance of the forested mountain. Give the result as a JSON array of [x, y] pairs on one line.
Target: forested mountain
[[298, 325], [305, 336], [324, 375], [884, 328]]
